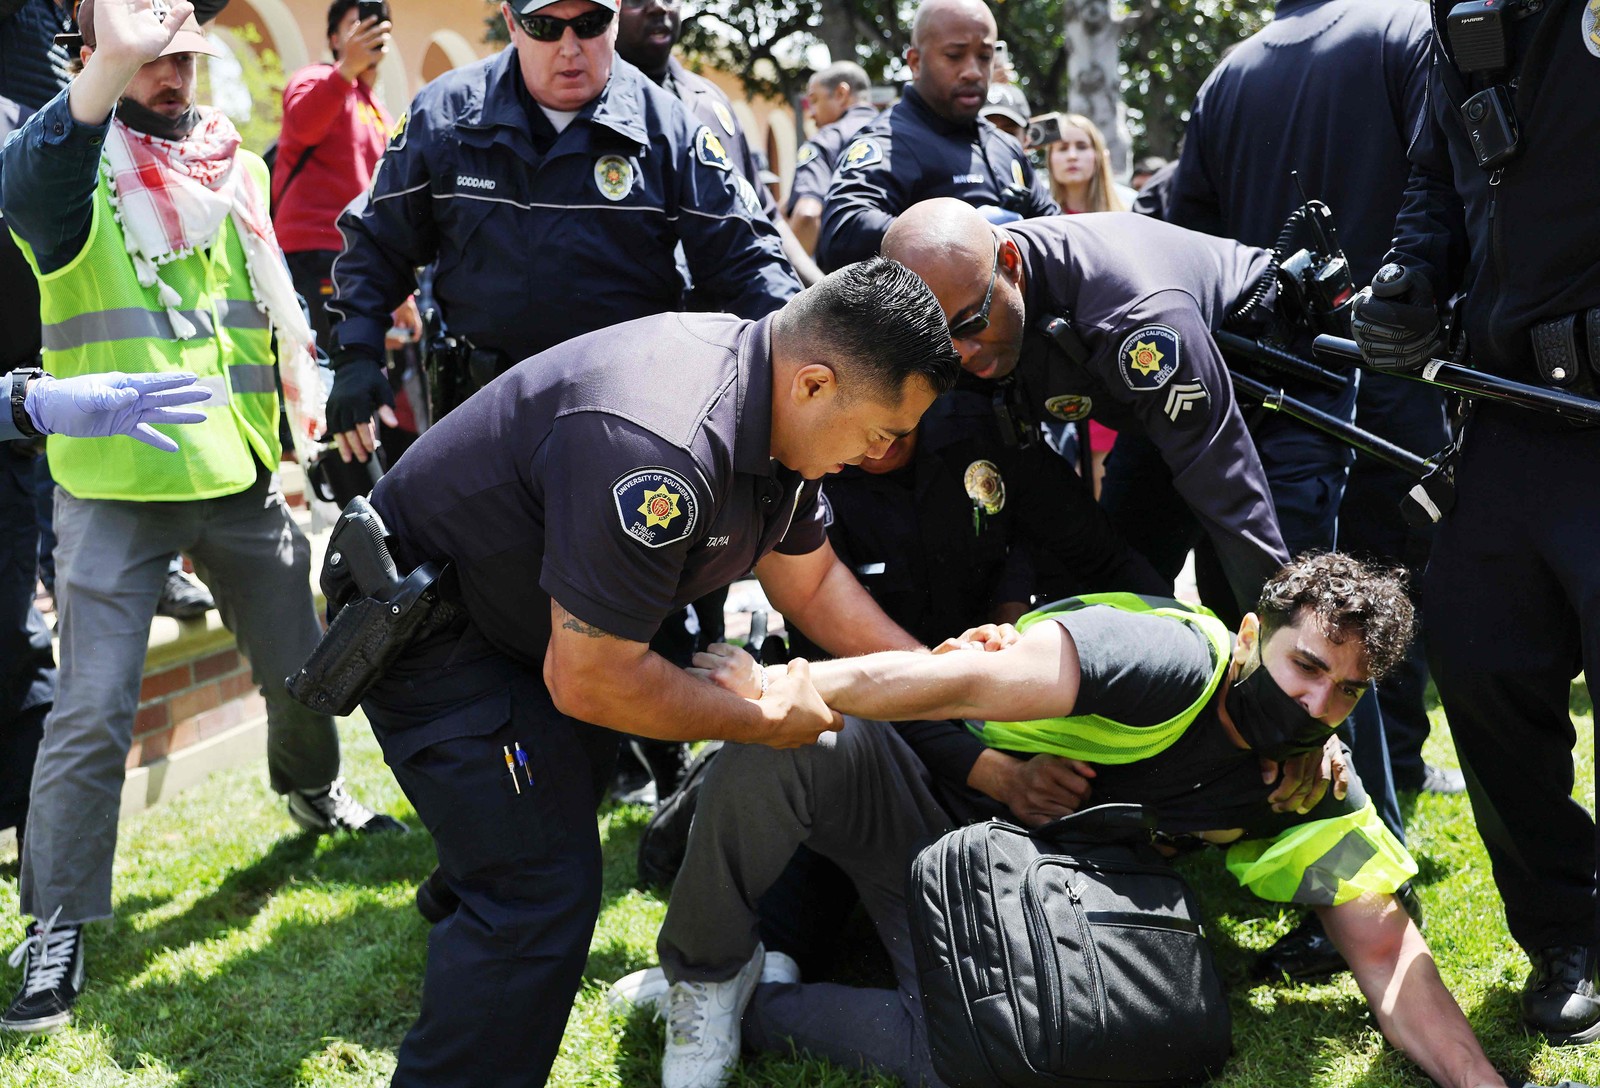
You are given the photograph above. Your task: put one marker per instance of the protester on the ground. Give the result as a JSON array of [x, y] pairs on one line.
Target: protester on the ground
[[114, 189], [932, 143], [653, 461], [836, 101]]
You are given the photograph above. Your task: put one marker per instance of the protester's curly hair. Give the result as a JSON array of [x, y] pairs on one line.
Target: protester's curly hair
[[1346, 598]]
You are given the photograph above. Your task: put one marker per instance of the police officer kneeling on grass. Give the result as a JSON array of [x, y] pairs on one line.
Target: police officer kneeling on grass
[[550, 185], [1173, 710], [578, 500]]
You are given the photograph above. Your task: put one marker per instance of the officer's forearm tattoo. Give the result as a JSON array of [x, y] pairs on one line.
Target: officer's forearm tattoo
[[573, 623]]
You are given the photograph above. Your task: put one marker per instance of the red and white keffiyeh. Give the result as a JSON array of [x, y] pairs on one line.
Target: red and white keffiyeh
[[172, 197]]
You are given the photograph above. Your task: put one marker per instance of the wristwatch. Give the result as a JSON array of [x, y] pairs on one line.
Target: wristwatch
[[19, 380]]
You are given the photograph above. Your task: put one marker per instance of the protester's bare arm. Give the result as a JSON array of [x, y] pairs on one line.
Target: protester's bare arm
[[1396, 972], [1036, 677], [128, 35], [1036, 790], [599, 677], [819, 595]]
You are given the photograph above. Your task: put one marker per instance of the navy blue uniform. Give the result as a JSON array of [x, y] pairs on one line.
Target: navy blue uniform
[[1144, 297], [710, 106], [1345, 131], [818, 157], [1512, 592], [909, 154], [540, 237], [27, 663], [623, 474]]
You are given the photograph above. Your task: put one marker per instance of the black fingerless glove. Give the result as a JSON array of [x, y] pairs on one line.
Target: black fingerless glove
[[359, 387]]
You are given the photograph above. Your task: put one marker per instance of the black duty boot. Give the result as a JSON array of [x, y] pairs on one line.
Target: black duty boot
[[1559, 997], [1303, 954]]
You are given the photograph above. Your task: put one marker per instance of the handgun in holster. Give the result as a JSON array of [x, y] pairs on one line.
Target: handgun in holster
[[456, 367], [374, 613]]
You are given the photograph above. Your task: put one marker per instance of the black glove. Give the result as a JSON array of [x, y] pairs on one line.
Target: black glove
[[1394, 321], [359, 386]]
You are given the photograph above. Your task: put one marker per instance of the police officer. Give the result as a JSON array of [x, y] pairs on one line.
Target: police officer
[[932, 142], [836, 100], [1345, 133], [1511, 589], [608, 482], [648, 31], [1110, 317], [552, 184]]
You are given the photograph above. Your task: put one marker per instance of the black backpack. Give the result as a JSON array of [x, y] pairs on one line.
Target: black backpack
[[1070, 956]]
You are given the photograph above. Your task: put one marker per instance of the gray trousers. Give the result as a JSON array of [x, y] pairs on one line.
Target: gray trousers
[[864, 801], [111, 564]]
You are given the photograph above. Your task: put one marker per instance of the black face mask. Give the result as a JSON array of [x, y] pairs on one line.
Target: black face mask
[[155, 124], [1272, 724]]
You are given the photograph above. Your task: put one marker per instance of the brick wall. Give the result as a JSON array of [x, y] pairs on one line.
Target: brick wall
[[191, 700]]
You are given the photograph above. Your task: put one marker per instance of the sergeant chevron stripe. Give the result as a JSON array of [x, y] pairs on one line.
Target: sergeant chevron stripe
[[1182, 397]]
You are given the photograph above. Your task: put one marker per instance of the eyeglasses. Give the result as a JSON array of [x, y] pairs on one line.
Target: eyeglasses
[[972, 326], [548, 28]]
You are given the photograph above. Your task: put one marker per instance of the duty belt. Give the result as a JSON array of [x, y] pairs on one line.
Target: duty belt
[[1566, 350]]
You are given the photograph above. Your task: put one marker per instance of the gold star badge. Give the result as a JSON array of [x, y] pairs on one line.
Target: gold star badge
[[660, 507], [1145, 358]]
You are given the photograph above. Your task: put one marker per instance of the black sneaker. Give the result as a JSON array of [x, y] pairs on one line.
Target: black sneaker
[[182, 599], [1559, 998], [1303, 954], [51, 958], [333, 809]]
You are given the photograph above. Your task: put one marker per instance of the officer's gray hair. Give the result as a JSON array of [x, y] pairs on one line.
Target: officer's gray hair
[[844, 71], [878, 324]]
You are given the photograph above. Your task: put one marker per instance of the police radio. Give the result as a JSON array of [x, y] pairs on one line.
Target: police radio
[[1479, 34], [1314, 281]]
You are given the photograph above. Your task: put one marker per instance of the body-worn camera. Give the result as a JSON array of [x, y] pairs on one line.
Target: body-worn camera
[[1491, 122], [1044, 129]]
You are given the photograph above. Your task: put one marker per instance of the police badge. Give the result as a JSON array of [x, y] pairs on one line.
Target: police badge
[[1591, 27], [986, 490], [613, 176]]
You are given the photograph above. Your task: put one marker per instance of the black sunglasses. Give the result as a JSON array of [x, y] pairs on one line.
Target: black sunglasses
[[972, 326], [548, 28]]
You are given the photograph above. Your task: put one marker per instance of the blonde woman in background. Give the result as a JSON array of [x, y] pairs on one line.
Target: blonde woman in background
[[1080, 168]]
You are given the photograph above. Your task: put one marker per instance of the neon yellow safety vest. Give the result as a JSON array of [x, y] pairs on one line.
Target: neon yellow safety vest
[[1101, 740], [98, 317]]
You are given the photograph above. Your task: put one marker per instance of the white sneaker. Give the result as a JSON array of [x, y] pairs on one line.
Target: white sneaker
[[780, 967], [646, 989], [703, 1027]]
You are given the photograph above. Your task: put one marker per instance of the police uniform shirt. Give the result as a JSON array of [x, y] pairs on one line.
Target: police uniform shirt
[[1144, 296], [624, 473], [540, 237], [1521, 240], [817, 158], [910, 154], [1258, 117], [710, 106]]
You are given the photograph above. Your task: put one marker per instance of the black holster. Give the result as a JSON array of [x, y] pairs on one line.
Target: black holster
[[456, 369], [374, 613]]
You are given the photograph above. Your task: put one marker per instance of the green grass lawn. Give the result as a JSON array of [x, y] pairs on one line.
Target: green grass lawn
[[245, 954]]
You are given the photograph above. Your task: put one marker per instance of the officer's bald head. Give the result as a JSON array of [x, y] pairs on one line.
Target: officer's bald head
[[958, 253], [952, 57]]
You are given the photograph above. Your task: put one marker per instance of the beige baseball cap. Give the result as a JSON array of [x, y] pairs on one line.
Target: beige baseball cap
[[189, 38]]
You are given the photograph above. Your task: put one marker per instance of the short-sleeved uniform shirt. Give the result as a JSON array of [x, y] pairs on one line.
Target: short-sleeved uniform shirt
[[624, 473], [1143, 297], [818, 157], [908, 154]]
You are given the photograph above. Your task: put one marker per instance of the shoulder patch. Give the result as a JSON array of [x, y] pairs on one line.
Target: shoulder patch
[[1591, 27], [1149, 357], [748, 198], [656, 506], [1186, 401], [808, 151], [613, 176], [1016, 174], [724, 118], [1069, 408], [864, 152], [397, 138], [709, 150]]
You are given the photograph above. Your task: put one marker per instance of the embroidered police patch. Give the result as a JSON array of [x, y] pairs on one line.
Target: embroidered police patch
[[862, 153], [656, 507], [1591, 27], [724, 117], [1016, 174], [1149, 358], [1069, 408], [397, 138], [808, 151], [613, 176], [1183, 399], [708, 148]]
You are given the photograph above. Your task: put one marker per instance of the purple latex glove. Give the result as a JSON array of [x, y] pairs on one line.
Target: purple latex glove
[[997, 215], [101, 405]]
